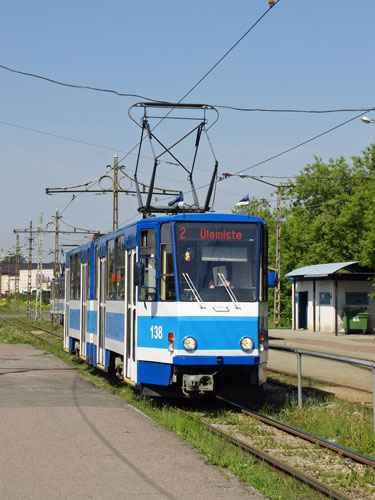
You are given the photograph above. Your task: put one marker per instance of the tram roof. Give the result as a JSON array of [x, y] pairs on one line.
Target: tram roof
[[207, 216]]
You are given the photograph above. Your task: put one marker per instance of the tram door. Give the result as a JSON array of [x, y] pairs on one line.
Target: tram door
[[66, 312], [83, 325], [100, 343], [130, 368]]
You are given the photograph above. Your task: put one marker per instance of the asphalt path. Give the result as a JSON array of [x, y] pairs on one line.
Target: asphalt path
[[63, 438]]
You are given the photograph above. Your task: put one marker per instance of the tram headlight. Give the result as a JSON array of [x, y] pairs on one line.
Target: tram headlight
[[189, 343], [246, 343]]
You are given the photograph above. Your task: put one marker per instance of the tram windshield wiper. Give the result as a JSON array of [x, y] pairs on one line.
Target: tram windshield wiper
[[228, 290], [193, 290]]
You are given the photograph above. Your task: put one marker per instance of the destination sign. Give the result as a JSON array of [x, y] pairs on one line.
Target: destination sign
[[215, 232]]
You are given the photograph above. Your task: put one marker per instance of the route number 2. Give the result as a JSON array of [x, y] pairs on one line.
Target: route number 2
[[156, 332]]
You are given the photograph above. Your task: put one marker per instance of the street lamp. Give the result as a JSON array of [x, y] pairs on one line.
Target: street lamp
[[365, 119]]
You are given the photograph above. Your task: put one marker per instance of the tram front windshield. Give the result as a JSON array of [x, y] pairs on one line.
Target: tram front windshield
[[217, 262]]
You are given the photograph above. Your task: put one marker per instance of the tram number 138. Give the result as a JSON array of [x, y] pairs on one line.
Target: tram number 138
[[156, 332]]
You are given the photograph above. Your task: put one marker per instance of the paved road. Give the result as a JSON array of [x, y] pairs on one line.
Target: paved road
[[63, 438]]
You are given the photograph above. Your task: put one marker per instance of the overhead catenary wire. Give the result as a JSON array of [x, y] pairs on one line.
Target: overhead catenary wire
[[228, 107], [152, 100], [223, 178], [304, 142], [211, 69]]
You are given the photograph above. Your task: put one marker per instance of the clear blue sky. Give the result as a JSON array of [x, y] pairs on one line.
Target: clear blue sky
[[311, 55]]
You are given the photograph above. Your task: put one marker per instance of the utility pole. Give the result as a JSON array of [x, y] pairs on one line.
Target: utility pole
[[17, 273], [29, 269], [39, 274], [56, 231], [56, 269], [277, 294], [8, 287], [115, 179], [115, 193]]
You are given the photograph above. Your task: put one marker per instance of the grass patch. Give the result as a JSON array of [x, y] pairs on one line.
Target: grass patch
[[344, 423], [9, 305]]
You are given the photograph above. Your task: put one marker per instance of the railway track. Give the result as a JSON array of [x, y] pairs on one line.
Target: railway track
[[13, 322], [280, 465], [353, 455]]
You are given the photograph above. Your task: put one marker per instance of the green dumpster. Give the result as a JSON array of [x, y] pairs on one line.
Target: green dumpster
[[354, 321]]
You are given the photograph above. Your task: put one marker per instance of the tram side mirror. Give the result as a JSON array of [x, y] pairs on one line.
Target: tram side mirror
[[272, 279]]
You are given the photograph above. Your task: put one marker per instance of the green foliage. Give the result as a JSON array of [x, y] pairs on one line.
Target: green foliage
[[328, 216], [331, 214], [12, 257]]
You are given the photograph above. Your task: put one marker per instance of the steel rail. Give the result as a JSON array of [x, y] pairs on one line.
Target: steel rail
[[357, 457], [6, 320], [41, 328], [274, 462]]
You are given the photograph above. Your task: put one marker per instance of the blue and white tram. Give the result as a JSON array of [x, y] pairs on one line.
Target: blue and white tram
[[174, 304]]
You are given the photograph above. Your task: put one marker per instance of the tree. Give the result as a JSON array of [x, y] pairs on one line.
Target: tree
[[11, 257], [328, 216], [331, 213]]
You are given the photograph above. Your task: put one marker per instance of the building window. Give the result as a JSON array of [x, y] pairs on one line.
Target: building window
[[356, 298], [325, 298]]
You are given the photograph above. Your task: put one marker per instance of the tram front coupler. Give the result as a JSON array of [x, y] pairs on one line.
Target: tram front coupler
[[197, 383]]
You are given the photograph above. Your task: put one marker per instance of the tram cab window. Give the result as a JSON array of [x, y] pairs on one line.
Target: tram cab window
[[167, 289], [147, 254]]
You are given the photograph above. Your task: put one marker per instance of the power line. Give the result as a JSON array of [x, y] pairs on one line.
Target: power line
[[73, 85], [302, 143], [220, 106], [64, 137], [210, 70], [306, 111], [137, 95]]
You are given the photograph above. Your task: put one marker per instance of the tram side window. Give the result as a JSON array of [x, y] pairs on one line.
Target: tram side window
[[96, 273], [120, 267], [88, 282], [75, 276], [111, 271], [167, 289], [147, 254]]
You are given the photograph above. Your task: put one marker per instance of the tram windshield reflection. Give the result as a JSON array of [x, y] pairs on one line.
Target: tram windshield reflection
[[216, 261]]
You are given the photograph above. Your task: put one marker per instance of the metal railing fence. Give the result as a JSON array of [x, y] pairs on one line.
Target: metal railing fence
[[332, 357]]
